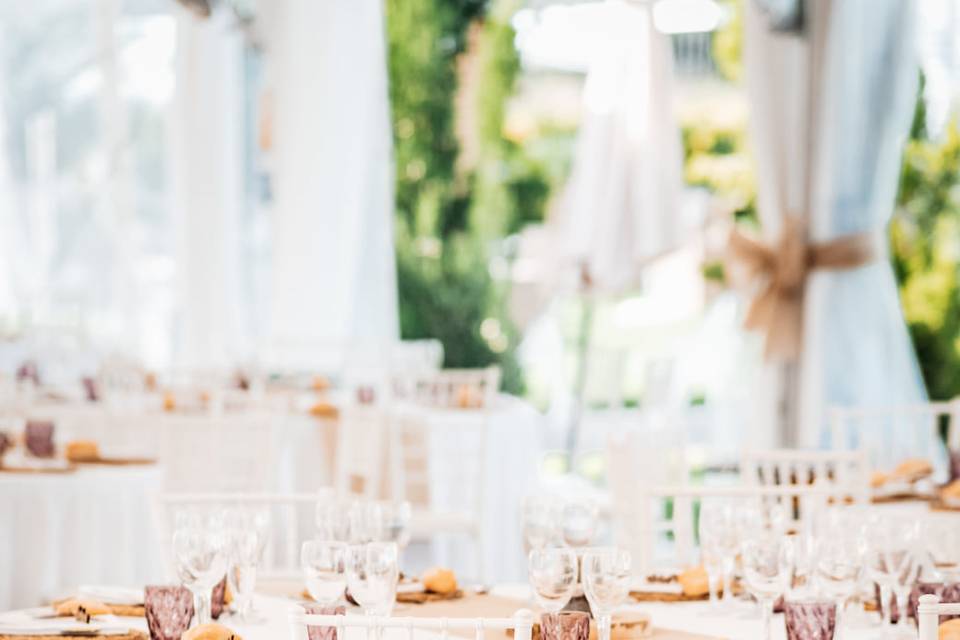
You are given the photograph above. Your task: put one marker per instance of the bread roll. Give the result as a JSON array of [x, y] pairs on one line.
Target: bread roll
[[694, 582], [82, 451], [74, 606], [950, 630], [210, 631], [438, 580]]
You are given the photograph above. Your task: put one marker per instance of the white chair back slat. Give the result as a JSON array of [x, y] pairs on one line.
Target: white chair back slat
[[844, 472], [929, 610]]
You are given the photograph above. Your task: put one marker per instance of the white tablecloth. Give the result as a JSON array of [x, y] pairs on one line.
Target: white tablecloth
[[93, 525]]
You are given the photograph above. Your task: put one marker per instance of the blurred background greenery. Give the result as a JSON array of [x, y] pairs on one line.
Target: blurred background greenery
[[468, 177]]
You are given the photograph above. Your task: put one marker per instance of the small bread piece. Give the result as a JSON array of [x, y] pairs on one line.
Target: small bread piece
[[82, 451], [625, 625], [912, 469], [952, 490], [169, 401], [210, 631], [74, 606], [878, 479], [950, 630], [320, 383], [324, 410], [439, 580], [694, 582]]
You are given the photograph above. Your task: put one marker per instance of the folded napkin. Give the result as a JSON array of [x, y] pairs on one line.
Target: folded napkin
[[105, 625]]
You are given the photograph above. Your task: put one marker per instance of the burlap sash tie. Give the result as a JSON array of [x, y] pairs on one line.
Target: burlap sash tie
[[779, 273]]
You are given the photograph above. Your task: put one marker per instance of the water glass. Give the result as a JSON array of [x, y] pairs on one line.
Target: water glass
[[372, 573], [553, 576], [333, 517], [837, 569], [578, 522], [393, 522], [766, 572], [324, 565], [718, 533], [606, 581], [200, 555], [540, 518], [247, 533]]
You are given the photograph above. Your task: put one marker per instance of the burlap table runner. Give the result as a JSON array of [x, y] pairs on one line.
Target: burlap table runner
[[493, 606]]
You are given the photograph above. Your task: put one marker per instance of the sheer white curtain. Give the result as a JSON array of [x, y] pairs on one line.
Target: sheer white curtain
[[333, 272], [622, 203], [830, 110], [206, 165]]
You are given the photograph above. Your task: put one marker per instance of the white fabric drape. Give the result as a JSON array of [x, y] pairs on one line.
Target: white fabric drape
[[621, 204], [830, 110], [206, 165], [333, 269]]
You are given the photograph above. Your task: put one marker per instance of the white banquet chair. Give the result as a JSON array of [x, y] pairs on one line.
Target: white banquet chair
[[521, 624], [929, 610], [291, 523], [438, 454], [661, 515], [846, 472], [889, 434]]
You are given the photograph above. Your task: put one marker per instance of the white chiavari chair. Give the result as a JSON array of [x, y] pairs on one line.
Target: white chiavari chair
[[846, 471], [521, 624], [890, 434], [660, 526], [929, 610], [438, 454], [291, 523]]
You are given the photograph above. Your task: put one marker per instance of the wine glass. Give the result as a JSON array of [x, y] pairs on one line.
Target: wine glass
[[942, 538], [578, 521], [891, 562], [200, 556], [902, 555], [765, 571], [364, 519], [333, 517], [837, 568], [540, 521], [393, 522], [719, 545], [553, 576], [372, 573], [247, 532], [324, 565], [606, 575]]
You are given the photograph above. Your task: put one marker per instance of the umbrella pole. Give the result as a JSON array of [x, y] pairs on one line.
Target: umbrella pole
[[580, 381]]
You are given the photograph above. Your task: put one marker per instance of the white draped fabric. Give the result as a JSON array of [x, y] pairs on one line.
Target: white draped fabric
[[830, 110], [621, 205], [333, 277], [206, 165]]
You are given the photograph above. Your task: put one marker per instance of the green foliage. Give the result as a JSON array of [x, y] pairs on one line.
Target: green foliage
[[728, 43], [716, 157], [926, 257], [449, 215]]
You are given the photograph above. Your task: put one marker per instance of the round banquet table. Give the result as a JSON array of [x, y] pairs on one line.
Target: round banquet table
[[92, 525]]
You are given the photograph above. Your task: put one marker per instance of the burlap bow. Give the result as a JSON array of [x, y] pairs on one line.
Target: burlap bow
[[779, 274]]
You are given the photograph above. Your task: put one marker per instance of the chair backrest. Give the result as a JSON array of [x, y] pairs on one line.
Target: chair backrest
[[890, 434], [458, 388], [362, 440], [521, 624], [291, 523], [845, 470], [666, 516], [929, 610]]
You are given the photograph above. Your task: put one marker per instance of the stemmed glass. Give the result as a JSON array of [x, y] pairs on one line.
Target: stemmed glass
[[247, 531], [333, 518], [540, 522], [837, 568], [324, 565], [606, 575], [902, 555], [199, 551], [553, 576], [372, 574], [393, 522], [892, 563], [719, 545], [766, 571], [578, 522]]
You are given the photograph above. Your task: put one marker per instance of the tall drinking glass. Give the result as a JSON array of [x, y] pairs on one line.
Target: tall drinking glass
[[606, 576], [553, 576], [324, 565], [766, 571], [200, 555]]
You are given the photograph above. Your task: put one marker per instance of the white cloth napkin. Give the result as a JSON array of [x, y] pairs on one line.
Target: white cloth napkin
[[110, 594]]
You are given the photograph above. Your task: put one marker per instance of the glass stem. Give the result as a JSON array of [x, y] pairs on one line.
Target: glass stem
[[713, 583], [901, 596], [886, 617], [767, 610], [838, 621], [728, 583], [201, 605], [603, 625]]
